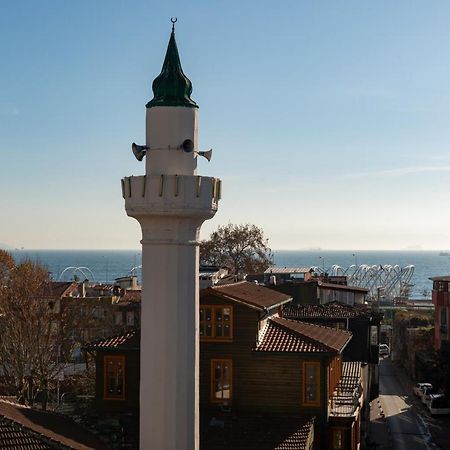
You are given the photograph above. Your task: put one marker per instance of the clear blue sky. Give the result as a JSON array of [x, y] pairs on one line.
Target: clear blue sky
[[329, 120]]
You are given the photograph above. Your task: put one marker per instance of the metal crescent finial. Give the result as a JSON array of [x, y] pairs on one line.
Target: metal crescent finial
[[174, 21]]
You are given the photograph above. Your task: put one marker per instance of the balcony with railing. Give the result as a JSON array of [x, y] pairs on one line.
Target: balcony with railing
[[347, 397]]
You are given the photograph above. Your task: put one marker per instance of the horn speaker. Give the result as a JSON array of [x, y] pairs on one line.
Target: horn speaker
[[207, 154], [139, 151]]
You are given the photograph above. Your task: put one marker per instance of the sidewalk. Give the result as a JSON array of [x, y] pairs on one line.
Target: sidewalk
[[379, 437]]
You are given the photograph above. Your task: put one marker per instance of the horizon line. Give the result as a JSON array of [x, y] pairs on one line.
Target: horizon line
[[273, 249]]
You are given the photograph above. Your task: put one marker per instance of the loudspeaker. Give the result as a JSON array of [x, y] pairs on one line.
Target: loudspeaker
[[207, 154], [187, 146], [139, 151]]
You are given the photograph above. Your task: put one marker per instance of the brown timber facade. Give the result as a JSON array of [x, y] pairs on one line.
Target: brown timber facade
[[274, 367]]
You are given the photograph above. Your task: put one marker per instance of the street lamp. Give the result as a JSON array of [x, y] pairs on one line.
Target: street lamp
[[323, 264], [356, 259]]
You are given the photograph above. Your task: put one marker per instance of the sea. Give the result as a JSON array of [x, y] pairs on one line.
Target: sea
[[107, 265]]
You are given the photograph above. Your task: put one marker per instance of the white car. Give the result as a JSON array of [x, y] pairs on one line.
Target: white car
[[384, 350], [418, 388], [439, 405]]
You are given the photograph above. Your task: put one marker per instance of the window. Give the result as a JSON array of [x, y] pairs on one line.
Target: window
[[311, 383], [443, 316], [130, 318], [221, 380], [216, 323], [118, 319], [114, 372], [338, 439], [443, 322], [373, 335]]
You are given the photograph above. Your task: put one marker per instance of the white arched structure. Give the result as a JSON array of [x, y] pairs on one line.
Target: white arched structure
[[392, 280], [83, 270]]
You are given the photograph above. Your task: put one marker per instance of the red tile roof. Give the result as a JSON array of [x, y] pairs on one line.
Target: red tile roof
[[14, 436], [57, 289], [250, 293], [258, 433], [282, 335], [333, 310], [127, 341], [130, 297], [55, 427]]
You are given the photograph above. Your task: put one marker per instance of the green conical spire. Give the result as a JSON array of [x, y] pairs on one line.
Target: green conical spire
[[172, 87]]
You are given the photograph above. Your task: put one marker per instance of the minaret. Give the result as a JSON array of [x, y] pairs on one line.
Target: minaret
[[170, 202]]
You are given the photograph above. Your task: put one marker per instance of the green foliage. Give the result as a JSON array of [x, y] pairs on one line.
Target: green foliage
[[415, 319], [241, 248]]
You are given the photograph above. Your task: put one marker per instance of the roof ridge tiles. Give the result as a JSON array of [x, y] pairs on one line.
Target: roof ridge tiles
[[116, 341], [312, 325], [331, 310]]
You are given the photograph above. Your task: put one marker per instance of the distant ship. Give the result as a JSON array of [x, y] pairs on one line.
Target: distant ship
[[444, 254]]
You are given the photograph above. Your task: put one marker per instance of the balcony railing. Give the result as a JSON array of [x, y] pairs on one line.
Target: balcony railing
[[345, 401]]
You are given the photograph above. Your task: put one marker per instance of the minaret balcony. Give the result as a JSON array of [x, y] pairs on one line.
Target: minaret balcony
[[171, 195]]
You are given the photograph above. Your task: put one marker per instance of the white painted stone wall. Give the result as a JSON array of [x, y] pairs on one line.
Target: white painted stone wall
[[170, 202], [167, 128]]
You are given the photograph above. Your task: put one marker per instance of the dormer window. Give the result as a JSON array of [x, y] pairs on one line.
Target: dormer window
[[216, 323]]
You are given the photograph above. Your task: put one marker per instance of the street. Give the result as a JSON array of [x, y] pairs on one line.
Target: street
[[405, 427]]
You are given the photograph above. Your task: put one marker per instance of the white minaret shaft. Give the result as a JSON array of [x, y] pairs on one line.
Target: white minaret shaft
[[170, 202]]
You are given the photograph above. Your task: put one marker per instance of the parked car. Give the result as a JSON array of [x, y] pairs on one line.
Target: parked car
[[432, 397], [384, 350], [439, 405], [426, 392], [418, 387]]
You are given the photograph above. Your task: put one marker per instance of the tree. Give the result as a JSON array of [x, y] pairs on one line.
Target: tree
[[30, 338], [241, 248]]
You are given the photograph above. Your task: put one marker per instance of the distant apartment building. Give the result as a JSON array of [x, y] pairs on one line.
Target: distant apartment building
[[78, 317], [441, 300], [306, 286], [211, 275]]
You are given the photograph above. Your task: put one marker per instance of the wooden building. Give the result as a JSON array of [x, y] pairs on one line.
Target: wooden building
[[266, 382], [255, 362], [117, 372], [360, 320], [364, 324], [321, 290]]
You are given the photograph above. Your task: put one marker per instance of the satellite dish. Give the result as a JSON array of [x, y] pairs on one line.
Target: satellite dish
[[139, 151]]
